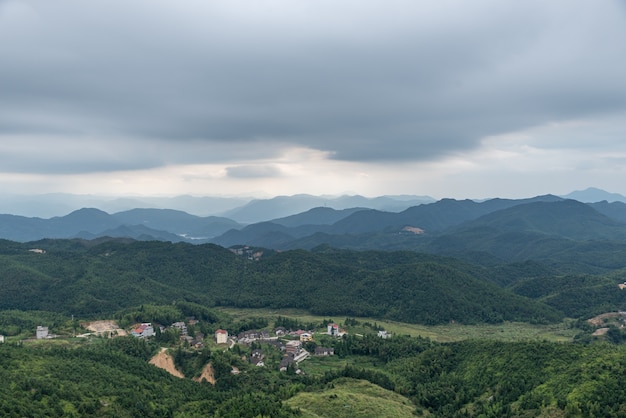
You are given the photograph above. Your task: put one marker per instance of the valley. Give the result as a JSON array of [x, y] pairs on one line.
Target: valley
[[495, 308]]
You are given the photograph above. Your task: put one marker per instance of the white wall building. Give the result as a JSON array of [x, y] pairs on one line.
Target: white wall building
[[42, 332], [221, 336]]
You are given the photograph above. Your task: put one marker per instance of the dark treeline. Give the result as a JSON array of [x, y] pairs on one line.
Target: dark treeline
[[88, 279]]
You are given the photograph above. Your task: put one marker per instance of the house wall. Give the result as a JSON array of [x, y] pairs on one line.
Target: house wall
[[221, 337], [42, 332]]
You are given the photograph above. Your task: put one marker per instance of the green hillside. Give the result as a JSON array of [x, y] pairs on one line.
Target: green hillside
[[346, 397], [526, 379], [96, 279]]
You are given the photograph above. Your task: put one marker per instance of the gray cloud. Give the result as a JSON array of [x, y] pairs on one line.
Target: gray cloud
[[161, 82], [248, 171]]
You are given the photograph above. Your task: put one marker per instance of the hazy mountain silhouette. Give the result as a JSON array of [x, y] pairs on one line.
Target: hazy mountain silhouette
[[592, 195], [284, 206]]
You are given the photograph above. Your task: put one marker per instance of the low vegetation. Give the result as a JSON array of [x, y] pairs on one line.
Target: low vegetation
[[349, 397]]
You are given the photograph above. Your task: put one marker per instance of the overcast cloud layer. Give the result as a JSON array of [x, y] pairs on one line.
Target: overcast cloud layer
[[446, 98]]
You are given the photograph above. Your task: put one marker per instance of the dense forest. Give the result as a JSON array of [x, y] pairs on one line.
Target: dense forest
[[95, 278]]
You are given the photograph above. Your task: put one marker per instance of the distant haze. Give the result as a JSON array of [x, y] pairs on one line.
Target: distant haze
[[241, 209]]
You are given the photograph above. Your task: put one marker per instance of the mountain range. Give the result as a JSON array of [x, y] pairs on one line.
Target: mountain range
[[240, 209], [487, 231]]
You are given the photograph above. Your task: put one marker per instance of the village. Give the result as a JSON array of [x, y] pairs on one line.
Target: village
[[291, 343], [294, 346]]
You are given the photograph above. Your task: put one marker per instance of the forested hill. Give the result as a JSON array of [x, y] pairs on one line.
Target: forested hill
[[95, 278]]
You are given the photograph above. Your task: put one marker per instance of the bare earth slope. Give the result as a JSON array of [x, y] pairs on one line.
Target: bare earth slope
[[164, 361], [208, 374]]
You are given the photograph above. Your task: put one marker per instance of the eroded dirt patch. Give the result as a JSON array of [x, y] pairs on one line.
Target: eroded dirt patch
[[598, 321], [208, 374], [103, 327], [600, 331], [164, 361]]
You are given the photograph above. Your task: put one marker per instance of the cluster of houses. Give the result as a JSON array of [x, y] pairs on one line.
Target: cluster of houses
[[197, 341], [249, 253], [293, 351], [146, 330]]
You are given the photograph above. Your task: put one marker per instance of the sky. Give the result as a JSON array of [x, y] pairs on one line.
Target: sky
[[277, 97]]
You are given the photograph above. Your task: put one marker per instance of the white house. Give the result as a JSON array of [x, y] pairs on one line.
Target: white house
[[143, 331], [384, 334], [42, 332], [333, 329], [221, 336]]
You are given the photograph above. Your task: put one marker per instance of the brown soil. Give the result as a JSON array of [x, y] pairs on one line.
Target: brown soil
[[600, 331], [164, 361], [208, 374], [101, 327], [598, 321]]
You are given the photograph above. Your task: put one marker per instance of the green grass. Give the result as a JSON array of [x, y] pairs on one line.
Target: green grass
[[58, 342], [352, 398], [506, 331], [318, 365]]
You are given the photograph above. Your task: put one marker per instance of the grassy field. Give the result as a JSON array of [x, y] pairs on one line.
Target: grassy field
[[352, 398], [507, 331], [318, 365]]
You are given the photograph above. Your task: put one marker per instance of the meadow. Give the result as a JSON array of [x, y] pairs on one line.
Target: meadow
[[506, 331]]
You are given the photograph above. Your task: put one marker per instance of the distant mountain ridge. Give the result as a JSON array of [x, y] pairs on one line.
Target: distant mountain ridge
[[284, 206], [490, 230], [573, 235], [142, 224], [177, 225], [240, 209], [432, 218], [593, 195], [60, 204]]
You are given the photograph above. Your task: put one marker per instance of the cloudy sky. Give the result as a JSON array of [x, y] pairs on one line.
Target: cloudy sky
[[443, 98]]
